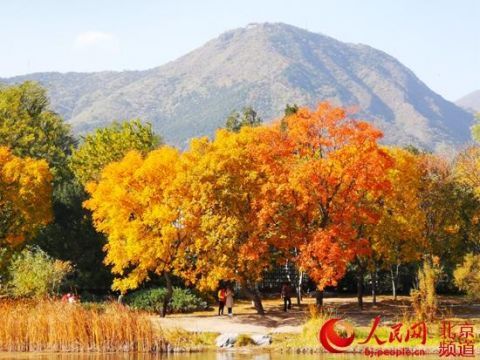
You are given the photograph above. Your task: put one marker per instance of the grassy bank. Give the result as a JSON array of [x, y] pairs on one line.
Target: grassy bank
[[56, 326]]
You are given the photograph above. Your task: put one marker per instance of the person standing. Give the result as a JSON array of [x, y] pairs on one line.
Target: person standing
[[221, 300], [229, 301], [286, 294]]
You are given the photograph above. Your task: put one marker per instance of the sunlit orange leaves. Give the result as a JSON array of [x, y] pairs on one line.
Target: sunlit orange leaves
[[336, 170], [230, 208]]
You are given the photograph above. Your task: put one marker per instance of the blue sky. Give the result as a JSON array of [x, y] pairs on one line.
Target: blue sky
[[438, 39]]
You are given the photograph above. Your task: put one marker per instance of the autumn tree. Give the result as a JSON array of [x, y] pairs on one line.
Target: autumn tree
[[134, 205], [30, 128], [25, 197], [327, 171], [397, 238], [467, 168], [467, 275], [450, 211], [222, 186], [476, 128], [109, 144]]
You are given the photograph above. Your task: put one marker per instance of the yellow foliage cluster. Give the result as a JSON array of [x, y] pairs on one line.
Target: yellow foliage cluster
[[231, 207], [314, 188], [133, 205], [25, 196]]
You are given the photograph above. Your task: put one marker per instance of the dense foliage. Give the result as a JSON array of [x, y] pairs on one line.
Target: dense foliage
[[182, 301], [110, 144], [35, 274], [467, 276], [25, 197], [314, 190], [30, 128]]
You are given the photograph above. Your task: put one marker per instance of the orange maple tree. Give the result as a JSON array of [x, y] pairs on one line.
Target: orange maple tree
[[325, 171]]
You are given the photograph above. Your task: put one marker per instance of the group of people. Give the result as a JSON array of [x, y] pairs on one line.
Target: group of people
[[225, 298], [70, 298]]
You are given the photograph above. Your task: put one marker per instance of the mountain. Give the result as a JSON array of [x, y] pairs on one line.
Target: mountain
[[265, 66], [470, 102]]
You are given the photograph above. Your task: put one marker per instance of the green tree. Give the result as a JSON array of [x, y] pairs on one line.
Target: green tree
[[248, 117], [72, 237], [35, 274], [30, 128], [290, 109], [110, 144], [475, 129]]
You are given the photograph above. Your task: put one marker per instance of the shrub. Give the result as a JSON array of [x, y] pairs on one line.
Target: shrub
[[467, 276], [35, 274], [183, 300], [424, 297]]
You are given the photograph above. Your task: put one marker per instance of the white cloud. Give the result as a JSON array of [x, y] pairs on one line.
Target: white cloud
[[96, 40]]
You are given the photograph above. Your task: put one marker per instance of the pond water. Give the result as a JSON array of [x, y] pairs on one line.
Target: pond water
[[220, 355]]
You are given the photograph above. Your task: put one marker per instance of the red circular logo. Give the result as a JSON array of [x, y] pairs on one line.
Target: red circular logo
[[331, 340]]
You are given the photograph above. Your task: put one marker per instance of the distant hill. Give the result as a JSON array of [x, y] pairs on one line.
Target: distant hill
[[470, 102], [265, 66]]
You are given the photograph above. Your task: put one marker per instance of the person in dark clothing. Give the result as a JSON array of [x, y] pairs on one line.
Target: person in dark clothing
[[286, 294]]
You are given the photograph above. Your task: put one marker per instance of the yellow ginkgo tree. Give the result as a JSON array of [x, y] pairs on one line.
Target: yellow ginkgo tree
[[134, 205], [397, 238], [222, 196], [25, 197]]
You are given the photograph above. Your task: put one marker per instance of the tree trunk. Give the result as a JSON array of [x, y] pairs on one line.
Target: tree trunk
[[253, 294], [394, 285], [299, 288], [395, 280], [168, 295], [360, 276], [374, 286], [319, 298]]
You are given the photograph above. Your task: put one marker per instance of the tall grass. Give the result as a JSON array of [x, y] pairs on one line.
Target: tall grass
[[56, 326], [308, 338]]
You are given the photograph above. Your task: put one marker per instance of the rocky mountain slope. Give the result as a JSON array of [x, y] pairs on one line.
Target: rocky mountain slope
[[470, 102], [265, 66]]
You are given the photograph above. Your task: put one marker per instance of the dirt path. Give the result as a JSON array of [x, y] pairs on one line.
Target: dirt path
[[246, 321], [244, 324]]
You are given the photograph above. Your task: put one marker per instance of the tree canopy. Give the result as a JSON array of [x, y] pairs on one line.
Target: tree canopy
[[30, 128], [25, 197], [109, 144]]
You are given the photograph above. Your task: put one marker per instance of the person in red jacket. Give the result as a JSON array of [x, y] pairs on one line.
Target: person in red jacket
[[222, 297]]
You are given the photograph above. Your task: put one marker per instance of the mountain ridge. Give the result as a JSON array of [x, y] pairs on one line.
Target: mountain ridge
[[266, 66], [470, 101]]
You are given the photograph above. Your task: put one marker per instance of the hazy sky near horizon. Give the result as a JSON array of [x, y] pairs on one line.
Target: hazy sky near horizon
[[438, 39]]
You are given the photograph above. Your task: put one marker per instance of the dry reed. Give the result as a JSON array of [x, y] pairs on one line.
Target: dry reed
[[62, 327]]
